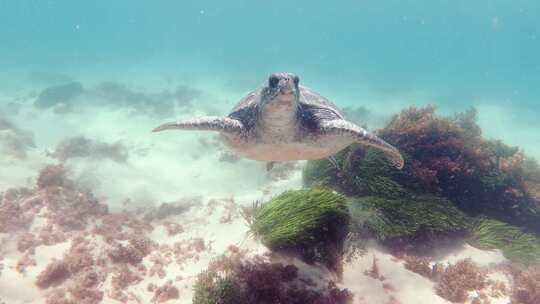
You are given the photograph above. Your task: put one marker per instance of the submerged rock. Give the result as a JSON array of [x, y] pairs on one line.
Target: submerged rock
[[83, 147], [60, 95]]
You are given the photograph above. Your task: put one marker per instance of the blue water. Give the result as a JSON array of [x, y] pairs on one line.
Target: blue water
[[382, 55], [452, 51]]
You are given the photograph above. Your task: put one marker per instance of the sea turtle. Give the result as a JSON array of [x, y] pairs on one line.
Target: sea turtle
[[284, 121]]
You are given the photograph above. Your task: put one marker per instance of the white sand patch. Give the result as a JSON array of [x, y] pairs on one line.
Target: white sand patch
[[19, 287], [20, 172], [399, 283], [406, 286], [16, 288], [480, 257], [502, 278]]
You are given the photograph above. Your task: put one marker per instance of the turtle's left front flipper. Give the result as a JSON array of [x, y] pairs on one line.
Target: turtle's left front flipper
[[210, 123], [360, 135]]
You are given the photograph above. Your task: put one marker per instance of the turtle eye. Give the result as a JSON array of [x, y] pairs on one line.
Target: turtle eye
[[273, 81], [296, 80]]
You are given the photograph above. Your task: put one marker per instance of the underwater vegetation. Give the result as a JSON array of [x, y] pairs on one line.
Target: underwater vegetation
[[449, 156], [527, 285], [102, 245], [422, 222], [515, 244], [312, 223], [456, 186], [213, 288], [235, 279], [454, 282], [421, 219], [362, 171], [446, 157]]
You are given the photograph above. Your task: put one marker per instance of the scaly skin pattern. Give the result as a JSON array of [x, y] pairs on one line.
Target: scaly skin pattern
[[284, 121]]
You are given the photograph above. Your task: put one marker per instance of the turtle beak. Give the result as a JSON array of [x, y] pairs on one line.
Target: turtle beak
[[285, 91]]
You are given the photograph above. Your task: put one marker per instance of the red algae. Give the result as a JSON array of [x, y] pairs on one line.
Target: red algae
[[189, 250], [133, 253], [457, 280], [79, 256], [393, 300], [173, 228], [449, 156], [165, 293], [231, 211], [123, 277], [12, 215], [160, 259], [67, 213], [422, 266], [26, 241], [53, 176], [121, 226], [55, 273], [527, 286], [24, 262], [256, 280]]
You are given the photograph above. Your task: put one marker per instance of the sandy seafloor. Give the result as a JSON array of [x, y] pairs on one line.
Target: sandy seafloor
[[183, 166]]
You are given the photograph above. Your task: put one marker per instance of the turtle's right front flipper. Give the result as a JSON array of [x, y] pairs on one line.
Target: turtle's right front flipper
[[357, 134], [210, 123]]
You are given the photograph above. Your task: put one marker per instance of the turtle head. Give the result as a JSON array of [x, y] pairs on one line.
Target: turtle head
[[281, 88]]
